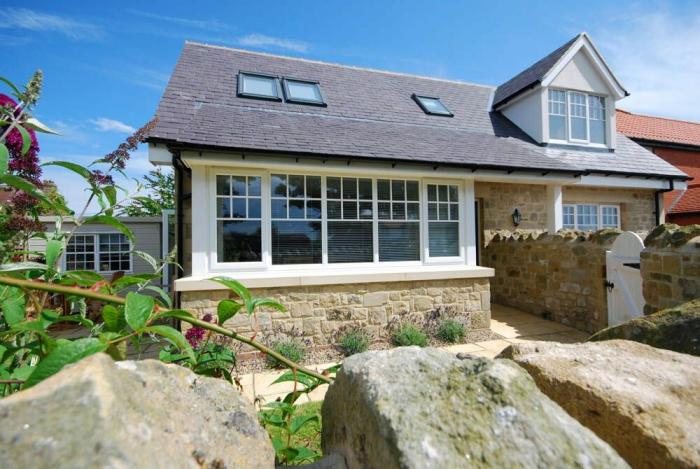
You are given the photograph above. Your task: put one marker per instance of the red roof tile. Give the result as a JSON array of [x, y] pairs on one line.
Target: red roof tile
[[690, 202], [659, 129]]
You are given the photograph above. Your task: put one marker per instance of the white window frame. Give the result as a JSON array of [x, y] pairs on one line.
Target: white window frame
[[568, 117], [96, 252], [215, 266], [599, 211]]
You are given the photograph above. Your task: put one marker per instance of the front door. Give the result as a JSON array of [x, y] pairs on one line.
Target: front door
[[624, 279]]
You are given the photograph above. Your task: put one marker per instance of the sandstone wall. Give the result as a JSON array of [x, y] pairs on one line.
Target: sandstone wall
[[562, 275], [670, 265], [499, 200], [317, 312]]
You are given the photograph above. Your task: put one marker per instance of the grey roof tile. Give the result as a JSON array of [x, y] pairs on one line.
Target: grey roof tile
[[370, 114]]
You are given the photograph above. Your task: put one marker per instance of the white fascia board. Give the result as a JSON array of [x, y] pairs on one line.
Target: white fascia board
[[159, 155], [584, 42], [630, 183], [344, 166]]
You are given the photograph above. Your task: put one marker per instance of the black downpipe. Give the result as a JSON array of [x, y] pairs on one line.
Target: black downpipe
[[179, 218], [657, 205]]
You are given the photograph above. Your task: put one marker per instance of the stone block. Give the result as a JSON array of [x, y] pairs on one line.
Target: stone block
[[301, 310], [375, 299]]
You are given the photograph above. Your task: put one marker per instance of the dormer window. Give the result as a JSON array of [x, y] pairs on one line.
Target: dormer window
[[254, 85], [576, 117]]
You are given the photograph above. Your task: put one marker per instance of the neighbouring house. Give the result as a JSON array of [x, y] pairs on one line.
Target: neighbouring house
[[677, 142], [359, 196], [104, 249]]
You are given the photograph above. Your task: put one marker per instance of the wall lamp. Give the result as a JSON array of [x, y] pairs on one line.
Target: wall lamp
[[517, 217]]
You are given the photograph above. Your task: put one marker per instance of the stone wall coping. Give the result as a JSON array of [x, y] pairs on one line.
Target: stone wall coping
[[325, 276]]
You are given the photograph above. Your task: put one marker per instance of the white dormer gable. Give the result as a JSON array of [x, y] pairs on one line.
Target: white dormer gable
[[574, 89]]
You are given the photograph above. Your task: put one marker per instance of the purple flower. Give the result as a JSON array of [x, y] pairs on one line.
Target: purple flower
[[195, 335]]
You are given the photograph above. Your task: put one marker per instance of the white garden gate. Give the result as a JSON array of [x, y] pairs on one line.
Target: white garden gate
[[624, 279]]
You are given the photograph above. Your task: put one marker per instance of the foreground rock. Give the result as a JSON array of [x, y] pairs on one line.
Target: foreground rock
[[644, 401], [424, 408], [98, 413], [676, 329]]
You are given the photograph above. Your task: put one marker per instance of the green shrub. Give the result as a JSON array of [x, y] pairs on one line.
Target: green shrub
[[451, 331], [408, 334], [290, 347], [352, 341]]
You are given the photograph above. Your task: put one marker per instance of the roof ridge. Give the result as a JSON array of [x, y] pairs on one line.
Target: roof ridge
[[659, 117], [351, 67]]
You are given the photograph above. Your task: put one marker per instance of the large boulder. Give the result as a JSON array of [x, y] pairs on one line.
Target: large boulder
[[676, 329], [101, 413], [424, 408], [644, 401]]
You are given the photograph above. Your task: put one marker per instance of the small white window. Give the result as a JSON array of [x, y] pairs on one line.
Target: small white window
[[610, 217], [596, 118], [443, 220], [238, 218], [577, 116], [350, 226], [252, 85], [398, 211], [105, 252], [557, 114], [569, 220]]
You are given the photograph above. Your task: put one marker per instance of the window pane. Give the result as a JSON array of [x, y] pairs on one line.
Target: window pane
[[597, 131], [609, 217], [239, 241], [412, 190], [296, 242], [313, 187], [366, 210], [262, 86], [223, 185], [254, 186], [454, 212], [333, 187], [223, 207], [397, 190], [578, 129], [279, 208], [413, 211], [350, 210], [433, 105], [296, 209], [349, 188], [432, 211], [399, 241], [587, 217], [333, 208], [383, 189], [568, 217], [253, 208], [298, 90], [296, 186], [365, 189], [443, 239], [384, 210], [238, 208], [442, 193], [313, 209], [278, 187], [557, 127], [432, 192], [238, 185], [350, 242], [398, 211]]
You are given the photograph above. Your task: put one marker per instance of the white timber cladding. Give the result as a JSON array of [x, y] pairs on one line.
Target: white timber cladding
[[554, 208], [527, 113]]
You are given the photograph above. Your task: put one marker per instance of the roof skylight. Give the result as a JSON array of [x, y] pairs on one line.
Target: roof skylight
[[254, 85], [432, 105], [302, 92]]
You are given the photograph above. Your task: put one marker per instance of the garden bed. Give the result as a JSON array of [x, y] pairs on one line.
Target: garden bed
[[255, 362]]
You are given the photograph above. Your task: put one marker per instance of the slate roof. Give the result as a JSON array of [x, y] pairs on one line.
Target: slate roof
[[658, 129], [531, 75], [370, 114]]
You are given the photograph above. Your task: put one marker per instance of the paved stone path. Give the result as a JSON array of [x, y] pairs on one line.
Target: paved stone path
[[513, 325]]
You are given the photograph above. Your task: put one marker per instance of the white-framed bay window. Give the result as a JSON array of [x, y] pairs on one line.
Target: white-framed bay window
[[277, 220], [98, 252], [577, 117], [590, 217]]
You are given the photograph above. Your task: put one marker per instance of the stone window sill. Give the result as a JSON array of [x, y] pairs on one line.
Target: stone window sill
[[290, 278]]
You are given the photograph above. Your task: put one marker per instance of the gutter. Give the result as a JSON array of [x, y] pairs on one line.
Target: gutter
[[657, 205]]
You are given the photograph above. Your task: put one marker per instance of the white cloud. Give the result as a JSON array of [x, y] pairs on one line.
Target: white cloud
[[104, 124], [209, 25], [268, 42], [656, 55], [24, 18]]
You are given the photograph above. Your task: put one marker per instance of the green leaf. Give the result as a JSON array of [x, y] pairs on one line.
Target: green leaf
[[226, 310], [25, 186], [34, 123], [128, 281], [53, 251], [12, 303], [148, 258], [76, 168], [304, 454], [235, 286], [85, 278], [113, 318], [11, 85], [137, 310], [175, 337], [174, 313], [113, 222], [111, 194], [167, 300], [301, 420], [65, 353], [302, 378], [269, 302], [26, 139], [4, 158], [22, 266]]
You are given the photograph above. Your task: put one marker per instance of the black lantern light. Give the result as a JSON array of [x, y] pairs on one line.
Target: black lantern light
[[517, 217]]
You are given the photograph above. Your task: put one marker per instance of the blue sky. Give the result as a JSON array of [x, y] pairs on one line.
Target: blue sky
[[106, 65]]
